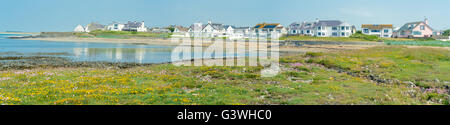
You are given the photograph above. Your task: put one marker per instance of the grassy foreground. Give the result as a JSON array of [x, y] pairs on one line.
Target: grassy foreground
[[420, 43], [411, 76], [357, 37]]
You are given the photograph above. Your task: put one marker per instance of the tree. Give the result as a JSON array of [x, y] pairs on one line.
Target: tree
[[171, 29], [446, 33]]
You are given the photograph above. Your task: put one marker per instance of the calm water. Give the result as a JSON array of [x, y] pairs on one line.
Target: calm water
[[86, 51], [79, 51]]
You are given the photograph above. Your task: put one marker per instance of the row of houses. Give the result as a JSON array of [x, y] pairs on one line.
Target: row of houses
[[130, 26], [322, 28], [214, 30], [317, 28], [336, 28]]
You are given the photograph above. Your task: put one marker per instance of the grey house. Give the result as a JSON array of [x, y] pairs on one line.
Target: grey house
[[135, 26]]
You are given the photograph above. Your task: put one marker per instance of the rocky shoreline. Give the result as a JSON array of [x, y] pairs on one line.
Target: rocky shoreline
[[20, 63]]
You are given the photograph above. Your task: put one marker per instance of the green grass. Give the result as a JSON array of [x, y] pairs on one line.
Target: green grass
[[121, 34], [323, 39], [357, 37], [303, 80], [419, 65], [420, 43]]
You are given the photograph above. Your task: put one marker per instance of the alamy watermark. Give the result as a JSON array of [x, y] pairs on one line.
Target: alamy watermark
[[259, 48]]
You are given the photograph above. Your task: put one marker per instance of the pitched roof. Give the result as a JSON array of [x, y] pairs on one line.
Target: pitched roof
[[217, 26], [377, 26], [226, 26], [412, 25], [181, 28], [307, 26], [133, 24], [328, 23], [94, 26], [266, 25]]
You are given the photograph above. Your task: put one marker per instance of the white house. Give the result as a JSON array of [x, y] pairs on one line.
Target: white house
[[241, 33], [180, 31], [209, 30], [381, 30], [195, 30], [214, 30], [323, 28], [79, 28], [115, 26]]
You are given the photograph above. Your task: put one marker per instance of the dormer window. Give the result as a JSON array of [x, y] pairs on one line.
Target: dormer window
[[422, 27]]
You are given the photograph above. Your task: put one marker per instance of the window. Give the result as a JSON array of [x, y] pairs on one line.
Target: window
[[343, 28], [417, 33], [386, 35], [422, 27], [334, 34], [323, 34], [347, 28], [342, 34], [294, 31], [375, 31], [307, 31], [319, 28], [386, 31], [334, 28], [366, 30], [319, 34]]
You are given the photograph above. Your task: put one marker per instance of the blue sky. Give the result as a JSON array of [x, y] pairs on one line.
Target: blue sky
[[64, 15]]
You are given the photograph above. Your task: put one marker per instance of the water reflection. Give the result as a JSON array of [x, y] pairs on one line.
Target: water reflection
[[133, 55]]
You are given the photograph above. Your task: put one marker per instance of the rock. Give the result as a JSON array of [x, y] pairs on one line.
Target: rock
[[437, 80], [411, 84]]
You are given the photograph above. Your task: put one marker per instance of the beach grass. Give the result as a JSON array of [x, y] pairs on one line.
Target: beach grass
[[357, 37], [420, 43], [324, 39], [312, 78], [121, 34]]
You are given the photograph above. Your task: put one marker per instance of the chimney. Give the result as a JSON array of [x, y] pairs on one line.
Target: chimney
[[317, 19], [426, 21], [209, 22]]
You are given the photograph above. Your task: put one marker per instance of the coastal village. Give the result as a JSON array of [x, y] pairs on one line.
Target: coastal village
[[316, 28]]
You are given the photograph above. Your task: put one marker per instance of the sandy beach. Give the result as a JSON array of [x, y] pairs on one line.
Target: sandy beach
[[148, 41], [169, 42]]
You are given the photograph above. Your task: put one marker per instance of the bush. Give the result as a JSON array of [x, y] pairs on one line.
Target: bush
[[359, 35], [446, 33], [313, 54]]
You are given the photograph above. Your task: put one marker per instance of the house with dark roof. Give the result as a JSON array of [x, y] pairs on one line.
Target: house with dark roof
[[135, 26], [381, 30], [418, 29], [195, 30], [304, 28], [323, 28], [210, 30]]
